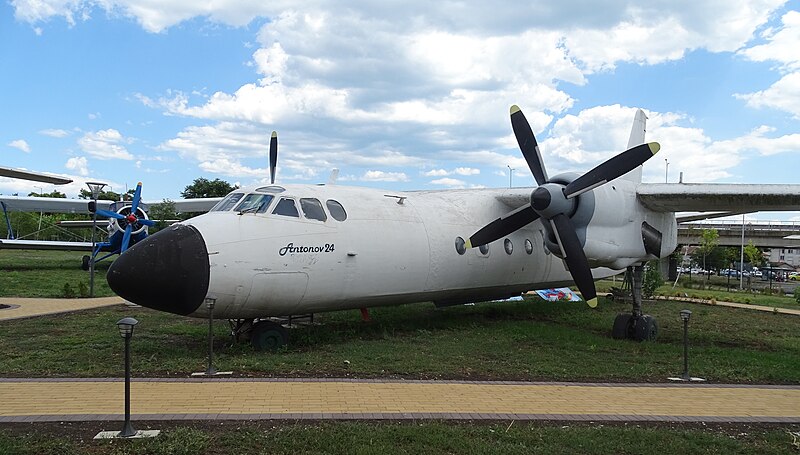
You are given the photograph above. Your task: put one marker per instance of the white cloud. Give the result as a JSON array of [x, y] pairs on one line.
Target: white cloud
[[466, 171], [449, 182], [57, 133], [783, 95], [781, 45], [105, 145], [382, 176], [78, 164], [20, 144], [436, 173]]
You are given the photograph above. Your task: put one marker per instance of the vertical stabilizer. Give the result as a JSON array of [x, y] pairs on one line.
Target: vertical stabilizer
[[637, 137]]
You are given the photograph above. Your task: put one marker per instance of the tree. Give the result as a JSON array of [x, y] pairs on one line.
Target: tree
[[202, 187], [652, 279], [104, 195], [55, 193], [160, 213], [709, 239], [753, 255]]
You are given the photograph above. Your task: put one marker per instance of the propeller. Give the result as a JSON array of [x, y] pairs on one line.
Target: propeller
[[273, 156], [130, 218], [555, 202]]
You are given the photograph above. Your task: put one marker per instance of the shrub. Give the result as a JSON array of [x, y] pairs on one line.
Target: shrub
[[83, 289], [68, 291], [652, 279]]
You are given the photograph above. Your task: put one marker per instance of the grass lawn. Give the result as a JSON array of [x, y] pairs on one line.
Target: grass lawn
[[406, 438], [30, 273], [528, 340]]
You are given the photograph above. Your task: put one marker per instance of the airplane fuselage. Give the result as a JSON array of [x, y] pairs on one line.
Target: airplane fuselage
[[394, 248]]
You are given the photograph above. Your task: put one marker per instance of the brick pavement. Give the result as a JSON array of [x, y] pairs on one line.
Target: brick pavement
[[30, 307], [26, 400]]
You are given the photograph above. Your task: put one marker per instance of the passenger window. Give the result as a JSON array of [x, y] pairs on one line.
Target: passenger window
[[312, 209], [255, 203], [336, 209], [286, 207], [227, 203]]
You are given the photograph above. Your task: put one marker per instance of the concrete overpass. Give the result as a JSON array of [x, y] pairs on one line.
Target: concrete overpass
[[763, 234]]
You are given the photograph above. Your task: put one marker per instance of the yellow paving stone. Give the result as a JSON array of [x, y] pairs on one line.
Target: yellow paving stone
[[25, 308], [234, 397]]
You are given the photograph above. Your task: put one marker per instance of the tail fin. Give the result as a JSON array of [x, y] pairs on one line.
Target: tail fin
[[637, 137]]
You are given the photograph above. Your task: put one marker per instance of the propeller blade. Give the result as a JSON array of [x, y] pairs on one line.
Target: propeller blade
[[273, 155], [109, 214], [527, 144], [126, 239], [575, 258], [503, 226], [137, 197], [147, 222], [612, 168]]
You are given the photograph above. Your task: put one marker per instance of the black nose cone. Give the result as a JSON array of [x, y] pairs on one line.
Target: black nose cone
[[167, 271]]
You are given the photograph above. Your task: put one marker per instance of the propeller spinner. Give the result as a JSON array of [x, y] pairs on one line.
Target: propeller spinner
[[555, 202]]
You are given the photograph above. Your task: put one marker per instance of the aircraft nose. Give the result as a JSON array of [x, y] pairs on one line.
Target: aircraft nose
[[167, 271]]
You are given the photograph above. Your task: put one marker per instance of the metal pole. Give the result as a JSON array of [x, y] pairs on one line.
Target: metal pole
[[741, 260], [686, 350], [666, 171], [210, 371], [510, 172], [127, 429], [91, 258]]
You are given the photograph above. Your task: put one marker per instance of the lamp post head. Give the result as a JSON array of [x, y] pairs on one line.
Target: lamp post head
[[210, 301], [126, 326], [685, 315], [95, 188]]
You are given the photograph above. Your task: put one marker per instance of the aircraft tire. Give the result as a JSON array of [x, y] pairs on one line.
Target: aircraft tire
[[268, 336], [620, 329], [646, 328], [85, 262]]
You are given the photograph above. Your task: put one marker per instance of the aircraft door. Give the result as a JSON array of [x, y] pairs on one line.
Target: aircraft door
[[277, 293]]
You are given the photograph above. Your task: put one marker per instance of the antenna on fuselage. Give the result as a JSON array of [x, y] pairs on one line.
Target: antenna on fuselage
[[273, 156]]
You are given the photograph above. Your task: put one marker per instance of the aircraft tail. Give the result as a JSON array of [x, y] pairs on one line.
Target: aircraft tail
[[637, 137]]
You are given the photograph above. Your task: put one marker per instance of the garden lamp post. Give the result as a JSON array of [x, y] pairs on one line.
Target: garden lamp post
[[685, 315], [126, 326], [95, 188], [210, 371]]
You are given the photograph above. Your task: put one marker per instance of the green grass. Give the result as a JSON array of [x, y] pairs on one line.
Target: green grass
[[529, 340], [416, 438], [30, 273]]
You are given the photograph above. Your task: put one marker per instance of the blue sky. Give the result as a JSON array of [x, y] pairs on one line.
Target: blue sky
[[407, 95]]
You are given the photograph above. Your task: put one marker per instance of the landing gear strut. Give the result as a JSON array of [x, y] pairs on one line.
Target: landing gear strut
[[635, 325]]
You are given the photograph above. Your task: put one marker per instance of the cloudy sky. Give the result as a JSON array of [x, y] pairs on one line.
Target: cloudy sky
[[401, 95]]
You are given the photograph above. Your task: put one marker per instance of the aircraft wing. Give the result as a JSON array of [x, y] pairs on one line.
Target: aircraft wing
[[6, 244], [194, 205], [50, 204], [718, 197], [35, 176]]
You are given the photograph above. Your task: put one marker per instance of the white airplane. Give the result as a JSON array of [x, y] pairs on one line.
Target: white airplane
[[278, 250]]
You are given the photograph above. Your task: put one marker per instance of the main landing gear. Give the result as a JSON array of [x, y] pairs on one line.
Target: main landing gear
[[635, 325], [263, 334]]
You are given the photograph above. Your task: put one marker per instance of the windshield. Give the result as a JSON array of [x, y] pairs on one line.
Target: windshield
[[255, 203], [227, 203]]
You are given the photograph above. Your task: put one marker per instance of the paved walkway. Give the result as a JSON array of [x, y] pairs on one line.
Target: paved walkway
[[27, 308], [745, 306], [29, 400]]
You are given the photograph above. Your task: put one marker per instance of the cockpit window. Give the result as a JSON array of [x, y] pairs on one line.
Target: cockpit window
[[336, 209], [312, 209], [257, 203], [227, 203], [286, 207]]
